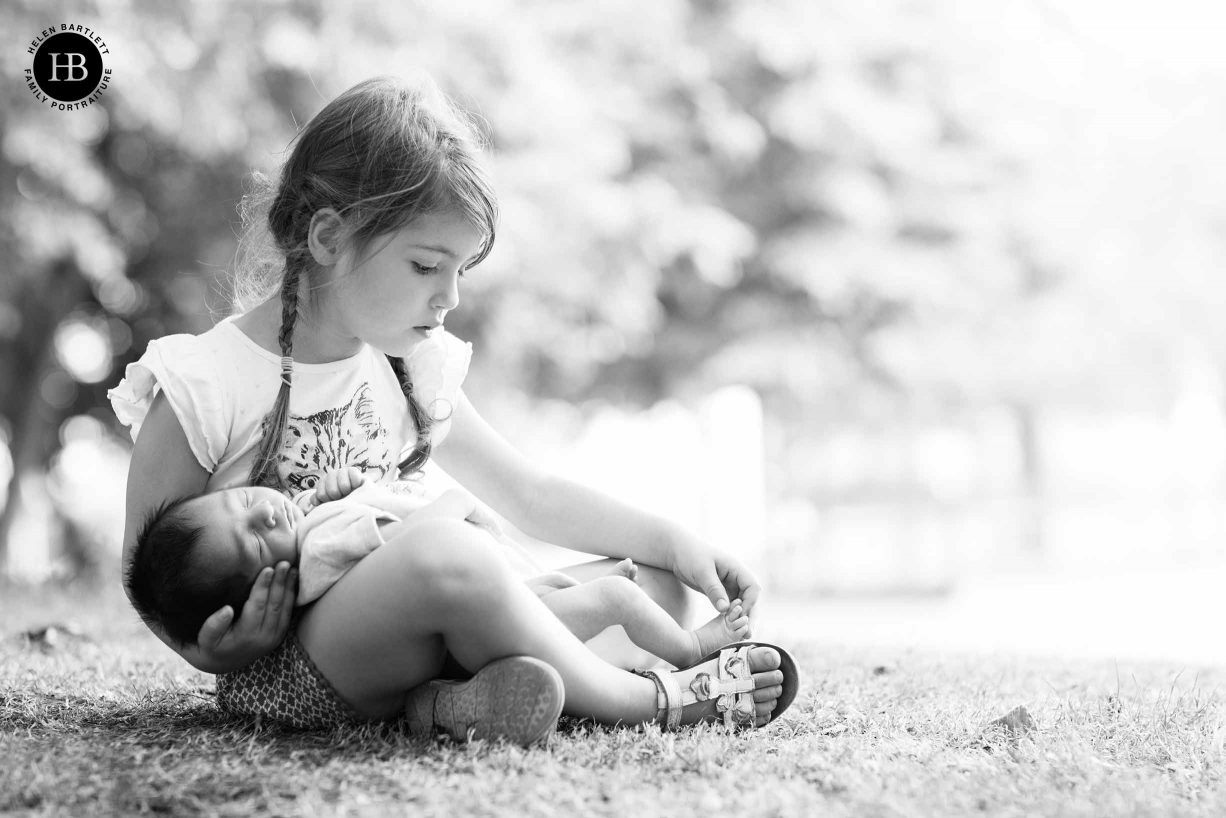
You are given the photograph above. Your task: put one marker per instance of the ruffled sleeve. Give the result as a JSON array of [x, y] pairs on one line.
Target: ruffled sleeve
[[186, 371], [437, 368]]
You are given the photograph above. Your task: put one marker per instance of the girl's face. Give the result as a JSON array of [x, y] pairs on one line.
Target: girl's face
[[250, 527], [397, 297]]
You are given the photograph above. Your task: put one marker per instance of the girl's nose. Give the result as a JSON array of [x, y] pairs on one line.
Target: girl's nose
[[448, 297]]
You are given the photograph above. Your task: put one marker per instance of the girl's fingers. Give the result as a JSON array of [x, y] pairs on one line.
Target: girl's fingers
[[276, 596], [257, 600], [743, 584], [749, 596], [215, 628], [287, 609], [714, 590]]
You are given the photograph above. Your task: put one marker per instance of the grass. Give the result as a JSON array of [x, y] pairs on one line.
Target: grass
[[107, 721]]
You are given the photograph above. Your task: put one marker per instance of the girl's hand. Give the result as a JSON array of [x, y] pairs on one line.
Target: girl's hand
[[460, 504], [717, 575], [338, 483], [261, 628]]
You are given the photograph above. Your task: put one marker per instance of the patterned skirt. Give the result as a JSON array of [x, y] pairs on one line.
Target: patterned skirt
[[286, 687]]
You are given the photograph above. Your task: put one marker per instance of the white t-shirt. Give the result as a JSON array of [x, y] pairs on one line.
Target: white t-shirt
[[221, 385]]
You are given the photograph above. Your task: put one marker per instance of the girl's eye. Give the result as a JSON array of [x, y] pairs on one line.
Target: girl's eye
[[426, 271]]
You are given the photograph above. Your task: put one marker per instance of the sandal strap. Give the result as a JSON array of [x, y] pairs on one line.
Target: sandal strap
[[736, 686], [669, 699], [729, 682], [731, 685]]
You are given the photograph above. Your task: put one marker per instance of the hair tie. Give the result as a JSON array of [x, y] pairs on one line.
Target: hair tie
[[287, 369]]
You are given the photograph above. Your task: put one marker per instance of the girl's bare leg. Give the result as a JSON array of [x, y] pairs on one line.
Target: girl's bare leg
[[383, 628]]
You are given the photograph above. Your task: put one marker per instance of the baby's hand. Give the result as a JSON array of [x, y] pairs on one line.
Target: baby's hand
[[338, 483]]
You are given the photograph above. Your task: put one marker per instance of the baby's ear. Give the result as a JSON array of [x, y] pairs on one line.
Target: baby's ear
[[324, 236]]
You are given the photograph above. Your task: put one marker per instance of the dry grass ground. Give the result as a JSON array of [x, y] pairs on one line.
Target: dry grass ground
[[107, 721]]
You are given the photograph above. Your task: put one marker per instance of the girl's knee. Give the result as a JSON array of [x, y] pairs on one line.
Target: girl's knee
[[452, 557]]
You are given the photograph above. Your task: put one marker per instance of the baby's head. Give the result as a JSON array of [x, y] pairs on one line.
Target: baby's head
[[202, 553]]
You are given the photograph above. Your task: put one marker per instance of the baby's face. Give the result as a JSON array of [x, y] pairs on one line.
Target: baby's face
[[252, 526]]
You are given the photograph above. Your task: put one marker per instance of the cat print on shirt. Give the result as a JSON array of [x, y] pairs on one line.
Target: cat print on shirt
[[349, 435]]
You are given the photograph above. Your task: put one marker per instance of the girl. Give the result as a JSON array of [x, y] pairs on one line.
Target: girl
[[379, 211]]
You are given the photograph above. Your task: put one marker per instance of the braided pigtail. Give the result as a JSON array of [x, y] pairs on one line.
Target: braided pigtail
[[267, 457], [424, 423], [381, 155]]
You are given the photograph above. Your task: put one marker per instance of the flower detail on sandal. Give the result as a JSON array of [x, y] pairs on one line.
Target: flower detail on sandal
[[702, 686]]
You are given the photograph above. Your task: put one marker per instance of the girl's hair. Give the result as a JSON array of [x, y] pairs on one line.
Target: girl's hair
[[381, 155], [169, 586]]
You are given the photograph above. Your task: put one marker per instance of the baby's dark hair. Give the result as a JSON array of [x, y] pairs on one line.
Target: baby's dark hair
[[168, 585]]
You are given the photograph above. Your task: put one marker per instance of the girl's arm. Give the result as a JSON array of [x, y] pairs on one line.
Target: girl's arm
[[453, 504], [162, 469], [560, 511]]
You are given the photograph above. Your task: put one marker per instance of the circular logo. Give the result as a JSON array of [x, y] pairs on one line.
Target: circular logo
[[67, 67]]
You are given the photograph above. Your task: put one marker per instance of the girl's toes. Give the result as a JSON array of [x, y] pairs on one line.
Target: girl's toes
[[764, 708], [739, 626], [766, 694], [765, 659]]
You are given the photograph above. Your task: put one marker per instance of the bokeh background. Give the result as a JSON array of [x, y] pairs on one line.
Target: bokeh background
[[915, 304]]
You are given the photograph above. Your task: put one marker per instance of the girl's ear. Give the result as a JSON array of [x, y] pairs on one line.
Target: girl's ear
[[323, 237]]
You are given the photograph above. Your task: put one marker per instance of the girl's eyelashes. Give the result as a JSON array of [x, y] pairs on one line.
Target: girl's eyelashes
[[428, 271]]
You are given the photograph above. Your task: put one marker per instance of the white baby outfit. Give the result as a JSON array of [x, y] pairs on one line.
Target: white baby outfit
[[335, 535]]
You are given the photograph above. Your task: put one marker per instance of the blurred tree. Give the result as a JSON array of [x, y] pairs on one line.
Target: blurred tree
[[832, 201]]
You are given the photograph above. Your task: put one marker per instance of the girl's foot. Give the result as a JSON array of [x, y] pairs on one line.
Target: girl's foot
[[697, 693], [627, 569], [730, 626], [517, 699]]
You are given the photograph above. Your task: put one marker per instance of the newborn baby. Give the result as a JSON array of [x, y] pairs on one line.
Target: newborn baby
[[205, 552]]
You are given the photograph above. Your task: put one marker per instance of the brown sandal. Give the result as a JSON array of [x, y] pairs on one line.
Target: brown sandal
[[724, 676]]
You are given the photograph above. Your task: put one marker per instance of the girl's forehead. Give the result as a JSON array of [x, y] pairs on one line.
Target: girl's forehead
[[450, 233]]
